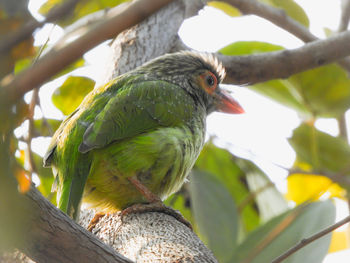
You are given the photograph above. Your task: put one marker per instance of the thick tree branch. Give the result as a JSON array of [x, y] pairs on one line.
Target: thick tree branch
[[117, 20], [282, 64], [54, 237], [280, 19], [150, 238], [345, 16], [274, 15]]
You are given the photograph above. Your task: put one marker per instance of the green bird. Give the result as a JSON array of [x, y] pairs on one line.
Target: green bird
[[135, 139]]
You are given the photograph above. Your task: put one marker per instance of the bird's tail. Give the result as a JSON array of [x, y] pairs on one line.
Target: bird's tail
[[70, 192]]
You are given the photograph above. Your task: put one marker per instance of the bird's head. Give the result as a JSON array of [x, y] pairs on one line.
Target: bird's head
[[200, 75]]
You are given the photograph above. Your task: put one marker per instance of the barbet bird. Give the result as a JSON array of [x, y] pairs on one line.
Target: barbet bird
[[135, 139]]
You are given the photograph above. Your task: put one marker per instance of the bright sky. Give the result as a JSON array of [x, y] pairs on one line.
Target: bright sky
[[260, 134]]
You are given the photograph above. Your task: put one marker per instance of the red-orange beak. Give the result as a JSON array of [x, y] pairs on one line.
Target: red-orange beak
[[225, 103]]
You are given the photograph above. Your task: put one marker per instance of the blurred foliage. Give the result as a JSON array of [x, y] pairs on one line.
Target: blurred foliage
[[68, 96], [248, 48], [320, 150], [207, 210], [13, 16], [255, 222], [225, 7], [309, 187], [284, 231], [291, 8]]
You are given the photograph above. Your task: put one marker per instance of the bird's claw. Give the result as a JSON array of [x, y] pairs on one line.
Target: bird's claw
[[95, 220]]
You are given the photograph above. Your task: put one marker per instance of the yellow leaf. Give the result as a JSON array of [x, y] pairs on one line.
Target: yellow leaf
[[339, 241], [23, 181], [307, 187], [226, 8]]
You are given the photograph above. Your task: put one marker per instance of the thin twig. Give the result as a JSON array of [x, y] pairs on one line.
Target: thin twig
[[34, 101], [273, 234], [309, 240]]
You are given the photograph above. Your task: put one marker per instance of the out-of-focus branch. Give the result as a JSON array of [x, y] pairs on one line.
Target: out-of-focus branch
[[280, 19], [282, 64], [274, 15], [345, 16], [117, 20], [343, 24], [27, 30]]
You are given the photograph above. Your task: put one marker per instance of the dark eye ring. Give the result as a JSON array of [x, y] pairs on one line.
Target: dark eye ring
[[210, 80]]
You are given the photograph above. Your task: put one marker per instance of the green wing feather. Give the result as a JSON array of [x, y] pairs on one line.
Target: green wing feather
[[146, 106], [124, 108]]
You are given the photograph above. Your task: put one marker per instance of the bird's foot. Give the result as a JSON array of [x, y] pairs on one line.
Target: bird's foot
[[157, 206], [95, 220]]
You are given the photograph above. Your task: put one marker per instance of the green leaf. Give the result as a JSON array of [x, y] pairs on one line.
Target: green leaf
[[22, 64], [248, 48], [283, 232], [82, 9], [325, 90], [24, 49], [225, 7], [283, 92], [69, 96], [322, 92], [45, 127], [181, 201], [292, 9], [320, 150], [213, 206], [223, 165]]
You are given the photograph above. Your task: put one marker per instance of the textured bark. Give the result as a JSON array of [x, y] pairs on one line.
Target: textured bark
[[51, 236], [149, 237], [154, 37]]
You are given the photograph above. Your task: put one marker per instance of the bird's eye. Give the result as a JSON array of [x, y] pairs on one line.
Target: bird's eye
[[210, 80]]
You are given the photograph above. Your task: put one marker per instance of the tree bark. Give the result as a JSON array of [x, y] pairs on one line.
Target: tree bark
[[149, 238], [49, 235]]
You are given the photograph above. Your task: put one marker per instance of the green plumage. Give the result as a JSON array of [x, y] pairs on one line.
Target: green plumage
[[146, 123]]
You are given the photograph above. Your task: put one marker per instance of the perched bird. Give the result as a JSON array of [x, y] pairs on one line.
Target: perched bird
[[135, 139]]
